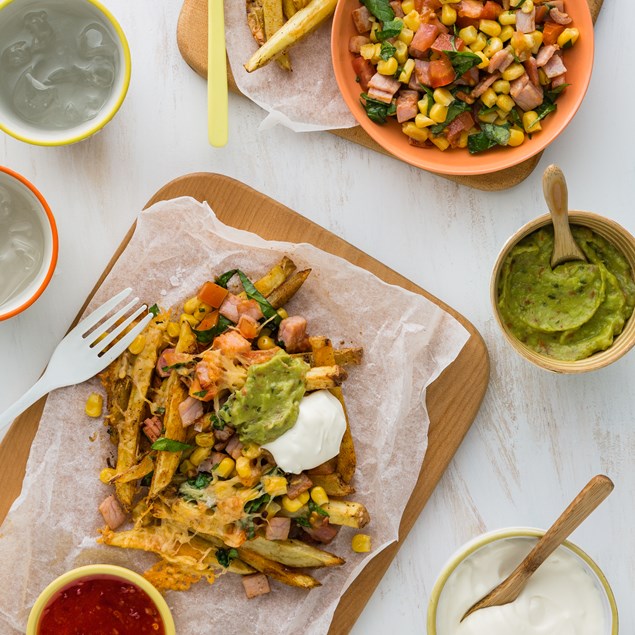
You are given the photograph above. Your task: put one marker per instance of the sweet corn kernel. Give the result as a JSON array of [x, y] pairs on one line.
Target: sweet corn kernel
[[440, 142], [190, 319], [205, 439], [505, 103], [490, 27], [274, 485], [494, 45], [291, 505], [303, 498], [282, 313], [484, 60], [489, 97], [360, 543], [500, 121], [106, 474], [443, 96], [507, 18], [376, 53], [568, 38], [536, 41], [479, 43], [438, 113], [265, 343], [501, 86], [406, 71], [506, 33], [412, 20], [173, 329], [406, 36], [527, 6], [243, 466], [423, 105], [468, 34], [542, 77], [94, 404], [423, 121], [401, 52], [407, 6], [489, 117], [448, 15], [463, 139], [225, 467], [373, 32], [367, 51], [516, 137], [410, 129], [191, 305], [137, 344], [318, 496], [199, 455], [187, 467], [387, 67], [251, 450], [513, 71], [531, 123]]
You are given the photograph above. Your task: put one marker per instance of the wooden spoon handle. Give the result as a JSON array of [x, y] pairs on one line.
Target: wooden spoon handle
[[555, 190]]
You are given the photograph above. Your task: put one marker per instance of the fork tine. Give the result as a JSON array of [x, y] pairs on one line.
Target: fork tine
[[100, 312], [103, 328], [121, 346], [115, 333]]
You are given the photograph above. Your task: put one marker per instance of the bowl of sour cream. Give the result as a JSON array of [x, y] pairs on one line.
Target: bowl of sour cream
[[567, 594], [28, 243]]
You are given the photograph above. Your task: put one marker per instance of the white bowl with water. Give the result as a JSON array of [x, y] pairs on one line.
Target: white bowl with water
[[28, 244], [64, 69]]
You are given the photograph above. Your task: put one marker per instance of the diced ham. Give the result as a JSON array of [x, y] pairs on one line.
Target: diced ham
[[356, 42], [152, 428], [464, 121], [231, 343], [423, 39], [278, 528], [229, 307], [559, 17], [255, 584], [526, 22], [483, 85], [292, 333], [407, 105], [162, 363], [501, 60], [532, 70], [113, 514], [445, 42], [234, 447], [559, 80], [526, 94], [322, 531], [554, 67], [217, 457], [470, 9], [361, 18], [463, 96], [396, 7], [469, 78], [545, 54], [299, 483], [189, 411], [422, 73], [364, 70], [225, 434]]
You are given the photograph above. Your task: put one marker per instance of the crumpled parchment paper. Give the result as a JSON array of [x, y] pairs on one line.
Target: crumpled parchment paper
[[306, 99], [177, 245]]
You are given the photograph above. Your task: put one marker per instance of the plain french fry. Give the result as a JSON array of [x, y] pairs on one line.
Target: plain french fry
[[347, 513], [323, 377], [343, 357], [274, 19], [333, 484], [288, 6], [276, 570], [292, 553], [282, 294]]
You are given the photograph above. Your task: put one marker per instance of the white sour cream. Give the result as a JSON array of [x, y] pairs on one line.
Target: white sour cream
[[561, 598], [315, 436]]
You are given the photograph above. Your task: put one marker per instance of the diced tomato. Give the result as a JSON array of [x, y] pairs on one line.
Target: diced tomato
[[435, 5], [208, 322], [441, 72], [470, 8], [491, 10], [424, 38], [248, 327], [447, 42], [364, 70], [212, 294], [541, 13], [551, 32], [463, 22]]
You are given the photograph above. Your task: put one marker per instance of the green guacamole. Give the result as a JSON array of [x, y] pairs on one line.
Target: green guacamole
[[574, 310], [268, 404]]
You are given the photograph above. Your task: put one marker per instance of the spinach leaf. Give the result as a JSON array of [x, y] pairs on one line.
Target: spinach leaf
[[202, 480], [489, 136], [479, 142], [381, 9], [225, 556], [254, 506], [549, 101], [302, 521], [146, 480], [377, 111], [429, 92], [224, 279], [169, 445], [554, 93], [205, 337], [499, 134], [217, 424], [389, 29], [514, 115], [387, 51], [454, 110], [543, 110], [253, 294], [200, 393], [154, 309], [462, 61], [314, 507]]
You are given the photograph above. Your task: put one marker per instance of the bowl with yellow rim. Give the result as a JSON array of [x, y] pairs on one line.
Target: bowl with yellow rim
[[64, 69], [98, 571], [597, 577]]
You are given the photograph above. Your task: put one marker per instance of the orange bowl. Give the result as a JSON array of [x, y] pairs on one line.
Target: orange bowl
[[579, 62]]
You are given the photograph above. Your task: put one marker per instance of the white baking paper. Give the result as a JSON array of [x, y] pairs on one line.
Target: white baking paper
[[178, 245]]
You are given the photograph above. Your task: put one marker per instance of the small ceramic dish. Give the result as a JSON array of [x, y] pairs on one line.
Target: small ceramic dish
[[98, 571], [599, 583], [15, 234], [623, 241], [65, 69]]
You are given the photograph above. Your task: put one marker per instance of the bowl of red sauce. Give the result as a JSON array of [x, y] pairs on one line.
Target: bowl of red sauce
[[100, 600]]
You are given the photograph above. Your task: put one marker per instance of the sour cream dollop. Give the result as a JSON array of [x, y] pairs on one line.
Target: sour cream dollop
[[560, 598], [315, 436]]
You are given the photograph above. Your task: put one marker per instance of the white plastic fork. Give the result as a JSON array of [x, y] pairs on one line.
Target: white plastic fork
[[82, 354]]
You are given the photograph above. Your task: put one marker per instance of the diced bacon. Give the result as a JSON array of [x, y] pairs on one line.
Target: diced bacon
[[545, 54], [361, 18], [298, 484], [423, 39], [554, 67], [163, 363], [225, 434], [559, 80], [491, 11], [189, 411], [248, 327], [356, 42], [526, 22], [255, 584], [364, 70], [470, 9], [501, 60], [323, 531], [526, 94], [229, 307], [422, 73], [278, 528], [559, 17], [468, 99], [469, 78], [234, 447], [532, 70], [328, 467], [231, 343], [407, 105], [292, 333], [396, 7], [152, 428], [445, 42], [483, 85], [113, 514], [463, 122]]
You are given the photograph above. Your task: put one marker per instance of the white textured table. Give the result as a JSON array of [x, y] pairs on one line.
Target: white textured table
[[538, 437]]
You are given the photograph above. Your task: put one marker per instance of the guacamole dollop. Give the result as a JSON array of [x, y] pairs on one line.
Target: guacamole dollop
[[574, 310], [268, 404]]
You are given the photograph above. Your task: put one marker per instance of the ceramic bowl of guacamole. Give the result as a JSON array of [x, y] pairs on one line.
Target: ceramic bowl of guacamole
[[578, 316]]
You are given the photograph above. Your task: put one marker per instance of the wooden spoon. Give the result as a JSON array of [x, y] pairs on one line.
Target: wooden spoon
[[595, 491], [555, 190]]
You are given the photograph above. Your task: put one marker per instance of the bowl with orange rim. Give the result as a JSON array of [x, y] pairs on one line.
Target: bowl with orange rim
[[28, 243]]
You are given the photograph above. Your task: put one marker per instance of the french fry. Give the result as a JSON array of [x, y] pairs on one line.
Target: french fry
[[292, 553], [323, 377], [288, 6], [333, 484], [300, 4], [343, 357], [274, 19], [347, 513], [273, 278], [276, 570], [298, 26], [282, 294], [145, 466], [118, 383], [256, 21]]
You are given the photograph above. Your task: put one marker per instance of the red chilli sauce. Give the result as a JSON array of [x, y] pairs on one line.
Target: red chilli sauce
[[100, 605]]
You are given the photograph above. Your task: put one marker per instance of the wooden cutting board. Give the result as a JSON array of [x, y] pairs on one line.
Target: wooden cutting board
[[453, 399], [191, 36]]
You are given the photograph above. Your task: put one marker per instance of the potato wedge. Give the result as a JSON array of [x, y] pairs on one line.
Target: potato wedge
[[256, 21], [274, 277], [333, 484], [292, 553], [274, 19], [282, 294], [276, 570], [322, 377], [343, 357], [289, 9], [347, 513]]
